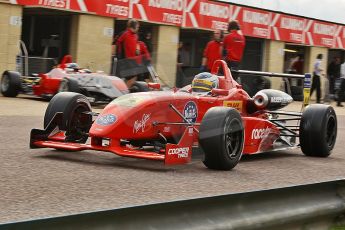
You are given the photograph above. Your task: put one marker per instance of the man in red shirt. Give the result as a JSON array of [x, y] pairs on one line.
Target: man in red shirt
[[126, 52], [212, 52], [233, 46]]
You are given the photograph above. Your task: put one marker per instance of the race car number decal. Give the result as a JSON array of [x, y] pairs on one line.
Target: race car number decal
[[190, 112], [234, 104], [105, 120], [140, 125]]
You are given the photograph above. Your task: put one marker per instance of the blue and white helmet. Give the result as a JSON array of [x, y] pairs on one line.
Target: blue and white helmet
[[204, 82], [72, 65]]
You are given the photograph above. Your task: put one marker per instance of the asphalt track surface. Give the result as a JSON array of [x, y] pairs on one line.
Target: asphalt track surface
[[43, 182]]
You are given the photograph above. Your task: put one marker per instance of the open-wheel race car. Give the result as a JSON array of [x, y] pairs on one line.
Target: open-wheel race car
[[68, 77], [159, 125]]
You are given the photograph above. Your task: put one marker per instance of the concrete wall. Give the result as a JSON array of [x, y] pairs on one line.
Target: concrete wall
[[274, 60], [90, 44], [10, 32], [166, 46]]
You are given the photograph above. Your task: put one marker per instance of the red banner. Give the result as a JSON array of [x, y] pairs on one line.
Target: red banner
[[161, 11], [212, 15], [254, 23], [286, 28], [319, 33], [206, 14], [339, 37], [78, 5], [110, 8]]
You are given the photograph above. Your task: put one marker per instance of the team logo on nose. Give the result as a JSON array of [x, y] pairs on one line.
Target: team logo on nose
[[190, 112]]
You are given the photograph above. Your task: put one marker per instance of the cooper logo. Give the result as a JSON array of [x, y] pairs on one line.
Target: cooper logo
[[180, 152], [260, 133]]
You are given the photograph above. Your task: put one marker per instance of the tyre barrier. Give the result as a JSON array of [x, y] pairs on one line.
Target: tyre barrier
[[306, 206]]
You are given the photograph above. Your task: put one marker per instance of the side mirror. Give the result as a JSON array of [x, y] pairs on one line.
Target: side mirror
[[154, 85], [221, 92]]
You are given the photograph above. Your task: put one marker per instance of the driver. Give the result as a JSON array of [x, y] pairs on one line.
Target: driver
[[72, 67], [203, 83]]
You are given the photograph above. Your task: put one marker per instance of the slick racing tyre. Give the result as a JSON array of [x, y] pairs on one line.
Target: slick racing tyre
[[221, 138], [139, 86], [10, 83], [69, 85], [75, 122], [318, 130]]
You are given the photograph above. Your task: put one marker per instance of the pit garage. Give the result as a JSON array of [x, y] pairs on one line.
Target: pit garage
[[46, 39]]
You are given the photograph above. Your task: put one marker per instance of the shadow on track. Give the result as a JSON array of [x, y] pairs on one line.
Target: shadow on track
[[270, 155], [100, 160]]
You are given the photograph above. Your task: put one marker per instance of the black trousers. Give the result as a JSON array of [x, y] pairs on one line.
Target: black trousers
[[316, 84], [341, 91], [331, 84]]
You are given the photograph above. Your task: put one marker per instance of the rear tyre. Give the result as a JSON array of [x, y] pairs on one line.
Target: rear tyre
[[69, 85], [10, 83], [318, 130], [75, 122], [221, 138]]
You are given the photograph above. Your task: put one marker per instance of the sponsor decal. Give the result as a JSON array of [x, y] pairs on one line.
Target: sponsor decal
[[190, 130], [281, 100], [105, 120], [55, 3], [140, 125], [166, 129], [260, 133], [234, 104], [180, 152], [190, 112]]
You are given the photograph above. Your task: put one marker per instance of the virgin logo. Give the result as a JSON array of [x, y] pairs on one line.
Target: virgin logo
[[140, 125]]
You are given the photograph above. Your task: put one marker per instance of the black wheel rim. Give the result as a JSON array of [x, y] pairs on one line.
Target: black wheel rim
[[331, 132], [63, 86], [79, 124], [234, 139], [5, 83]]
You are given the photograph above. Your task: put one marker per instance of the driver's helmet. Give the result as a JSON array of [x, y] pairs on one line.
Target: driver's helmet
[[72, 65], [203, 83]]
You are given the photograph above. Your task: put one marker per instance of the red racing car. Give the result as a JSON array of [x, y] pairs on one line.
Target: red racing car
[[67, 76], [225, 123]]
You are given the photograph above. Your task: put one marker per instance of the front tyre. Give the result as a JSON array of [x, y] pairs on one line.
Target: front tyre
[[75, 122], [318, 130], [221, 137]]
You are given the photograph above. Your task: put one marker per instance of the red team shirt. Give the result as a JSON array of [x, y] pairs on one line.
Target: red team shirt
[[234, 44], [212, 52], [128, 42]]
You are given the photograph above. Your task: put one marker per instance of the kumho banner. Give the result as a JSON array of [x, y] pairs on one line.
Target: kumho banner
[[287, 28], [206, 14], [77, 5], [161, 11], [318, 33], [110, 8], [212, 15], [254, 23]]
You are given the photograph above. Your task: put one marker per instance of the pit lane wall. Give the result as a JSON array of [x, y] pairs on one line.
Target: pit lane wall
[[312, 206]]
